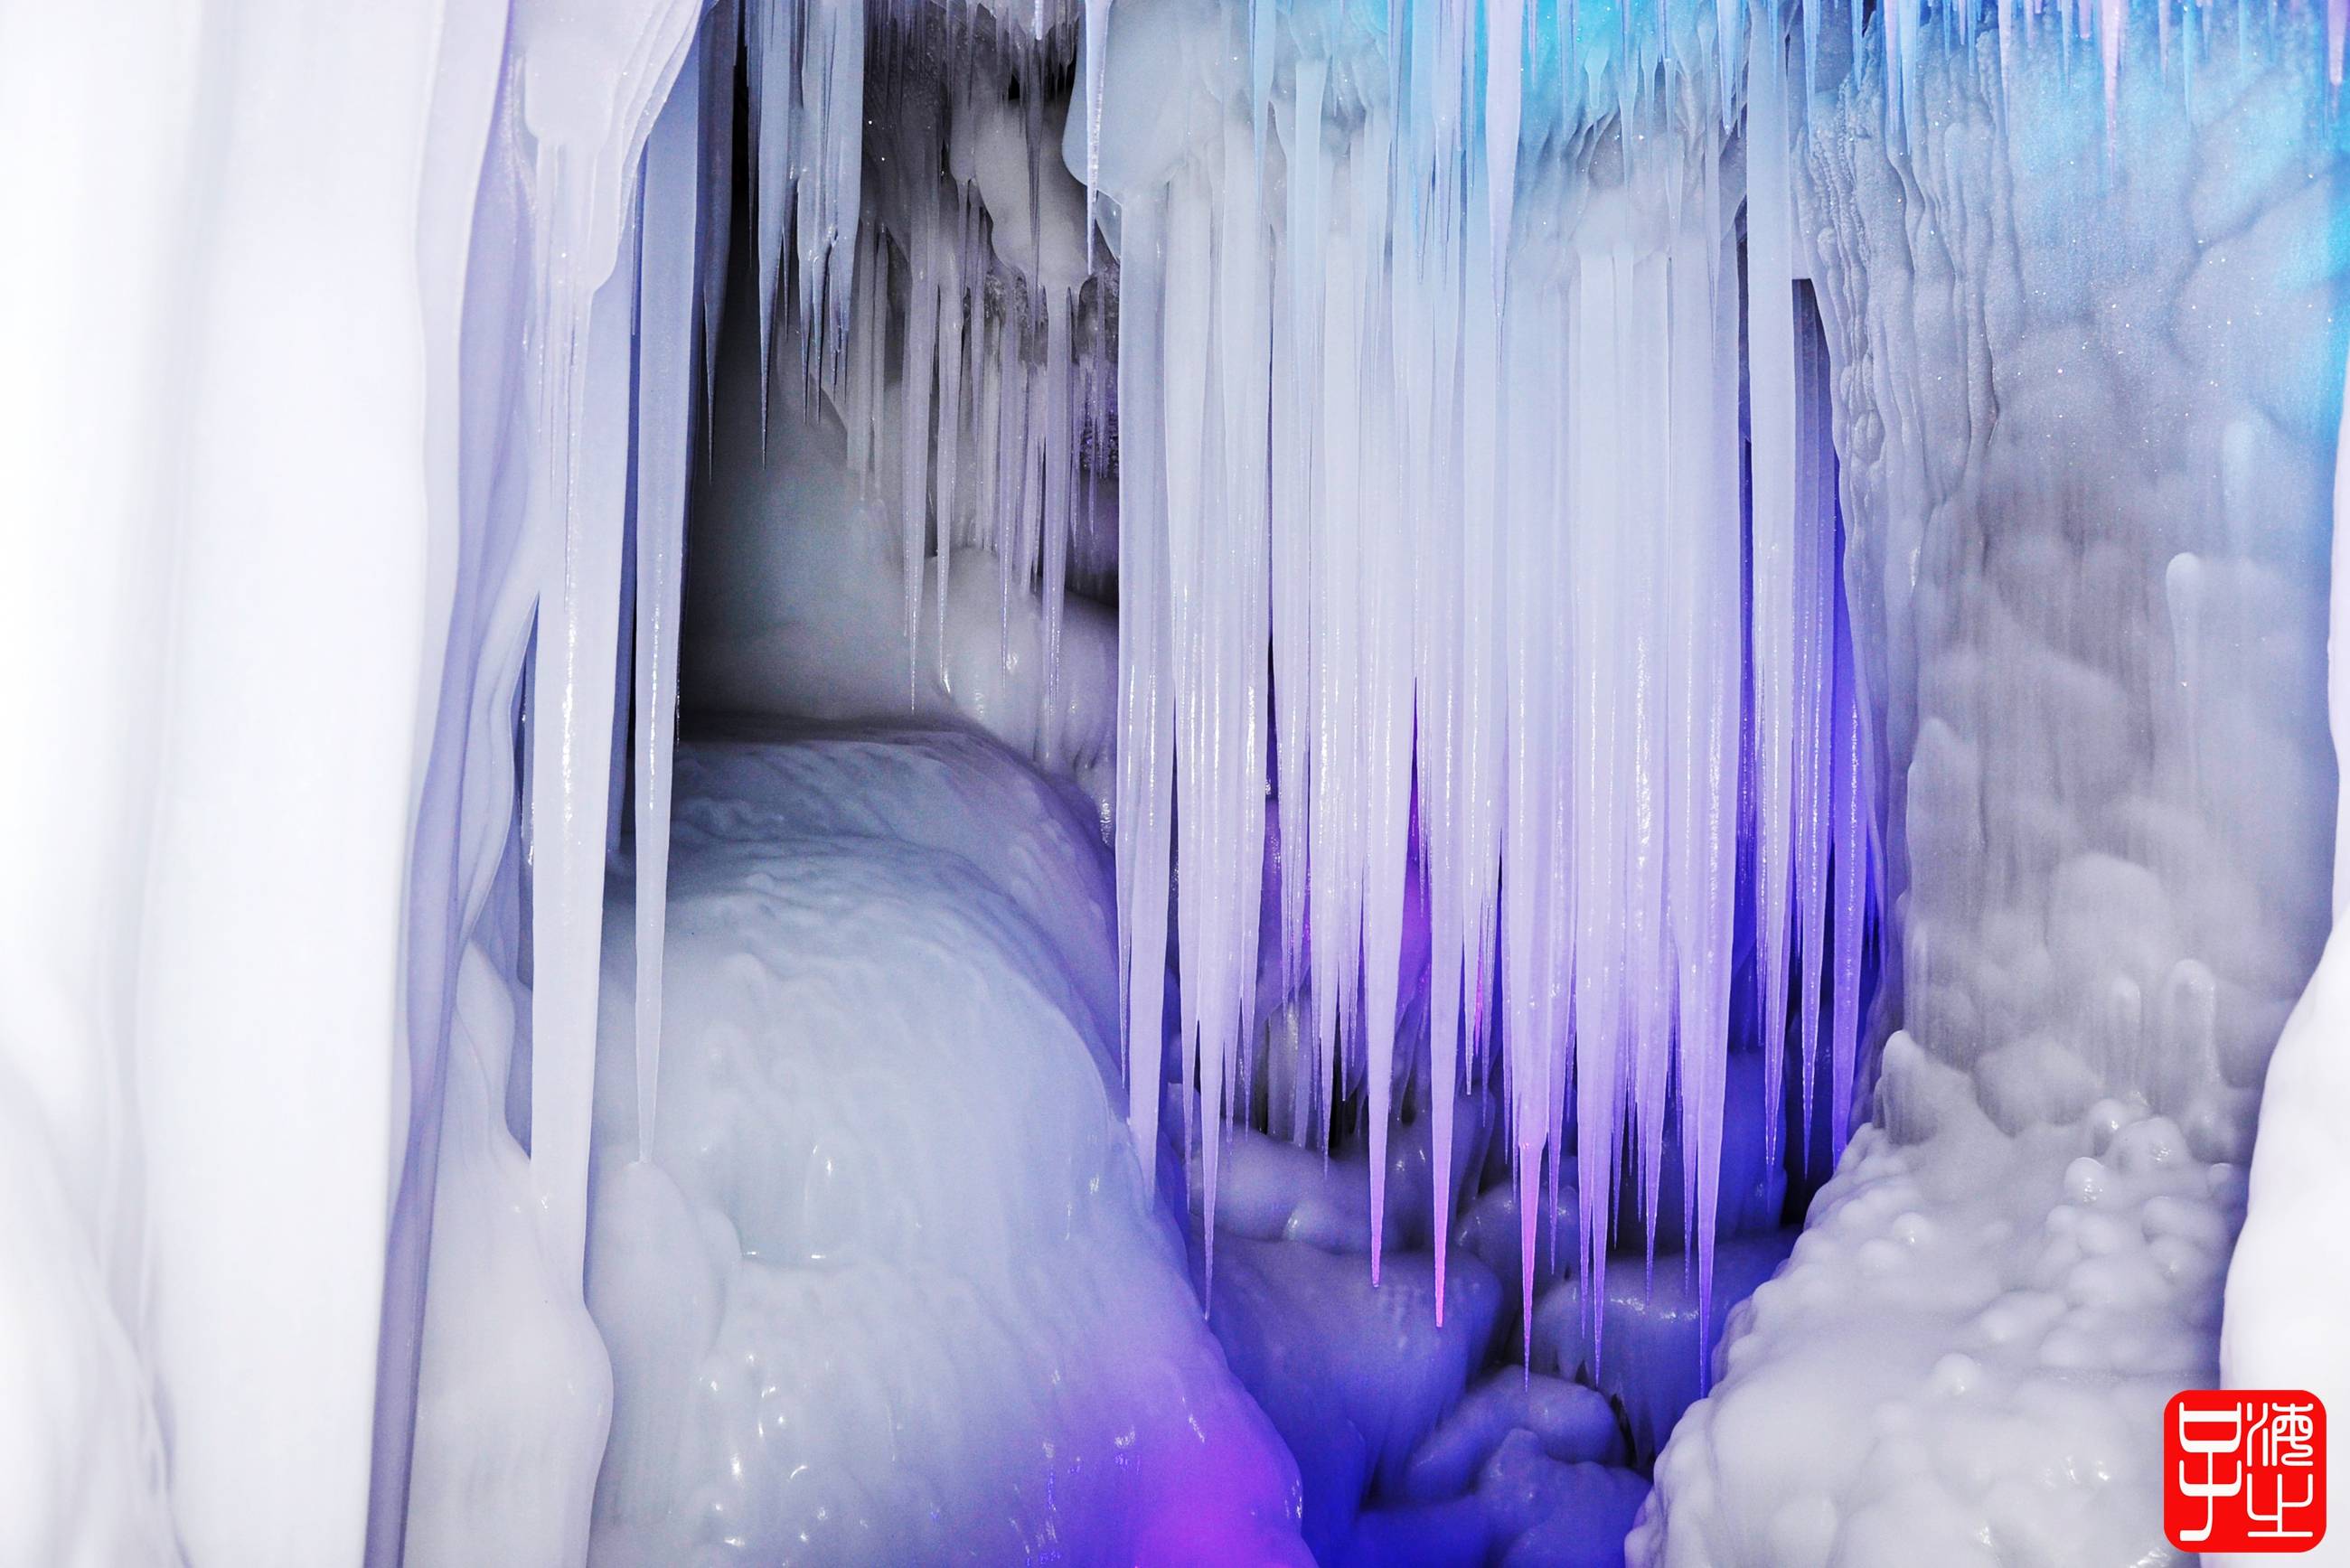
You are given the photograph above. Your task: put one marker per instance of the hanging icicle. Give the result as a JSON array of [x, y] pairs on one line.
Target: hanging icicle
[[664, 380], [1472, 496]]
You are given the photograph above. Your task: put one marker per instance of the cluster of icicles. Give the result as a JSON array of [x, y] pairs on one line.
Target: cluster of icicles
[[632, 301], [1443, 524], [983, 418], [1459, 443], [1443, 530]]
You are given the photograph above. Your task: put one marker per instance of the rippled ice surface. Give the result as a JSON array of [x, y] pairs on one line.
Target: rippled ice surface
[[889, 1289]]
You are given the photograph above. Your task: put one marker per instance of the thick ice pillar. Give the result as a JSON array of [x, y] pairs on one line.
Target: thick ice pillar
[[2084, 378]]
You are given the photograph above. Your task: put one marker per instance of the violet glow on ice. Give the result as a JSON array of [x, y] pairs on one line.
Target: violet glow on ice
[[1163, 781]]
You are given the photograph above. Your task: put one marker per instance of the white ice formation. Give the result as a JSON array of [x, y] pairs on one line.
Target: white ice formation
[[1650, 548]]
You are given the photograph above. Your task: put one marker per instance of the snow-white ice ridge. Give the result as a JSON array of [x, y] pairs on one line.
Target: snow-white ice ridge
[[1651, 547]]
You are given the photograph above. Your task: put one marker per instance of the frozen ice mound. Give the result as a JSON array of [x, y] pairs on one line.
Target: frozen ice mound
[[1967, 1358], [889, 1289]]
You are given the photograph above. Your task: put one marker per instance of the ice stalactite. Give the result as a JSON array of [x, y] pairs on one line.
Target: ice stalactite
[[803, 65], [626, 161], [1853, 854], [1771, 343], [583, 352], [721, 60], [1145, 734], [1491, 560], [631, 204], [1653, 660], [979, 408], [665, 343]]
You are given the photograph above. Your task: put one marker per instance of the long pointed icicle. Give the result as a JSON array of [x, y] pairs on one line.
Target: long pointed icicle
[[1146, 753], [1770, 347], [771, 35], [1240, 631], [1297, 356], [1645, 327], [1712, 979], [1814, 653], [1852, 849], [583, 414], [722, 39], [1531, 936], [1385, 553], [1467, 489], [1429, 303], [1188, 294], [1334, 936], [1474, 726], [1600, 730], [916, 374], [665, 315]]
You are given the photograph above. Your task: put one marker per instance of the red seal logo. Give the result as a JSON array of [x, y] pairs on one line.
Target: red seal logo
[[2243, 1469]]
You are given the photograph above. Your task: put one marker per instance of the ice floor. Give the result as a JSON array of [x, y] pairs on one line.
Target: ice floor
[[889, 1189], [886, 1288]]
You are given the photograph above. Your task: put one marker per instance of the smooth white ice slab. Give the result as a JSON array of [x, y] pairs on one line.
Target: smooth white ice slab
[[889, 1290]]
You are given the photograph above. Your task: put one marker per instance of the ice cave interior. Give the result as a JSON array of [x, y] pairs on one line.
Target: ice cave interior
[[1163, 782]]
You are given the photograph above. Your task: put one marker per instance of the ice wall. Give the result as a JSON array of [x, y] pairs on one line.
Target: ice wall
[[271, 522], [2086, 400], [2087, 361], [230, 309]]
